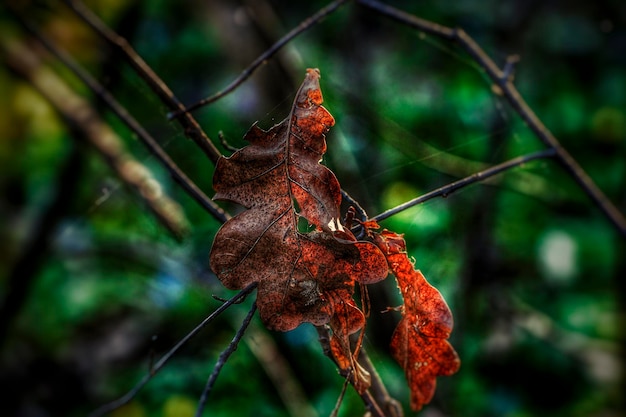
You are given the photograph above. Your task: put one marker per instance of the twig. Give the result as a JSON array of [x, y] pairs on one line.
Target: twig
[[87, 125], [391, 407], [153, 146], [263, 58], [190, 125], [505, 83], [508, 72], [221, 361], [342, 394], [446, 190], [415, 22], [225, 143], [107, 408], [370, 401]]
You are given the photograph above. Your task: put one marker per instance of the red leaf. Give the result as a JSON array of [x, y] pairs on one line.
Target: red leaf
[[419, 343], [348, 319], [290, 239]]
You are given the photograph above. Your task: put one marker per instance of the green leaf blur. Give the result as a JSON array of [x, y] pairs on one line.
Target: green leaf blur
[[532, 270]]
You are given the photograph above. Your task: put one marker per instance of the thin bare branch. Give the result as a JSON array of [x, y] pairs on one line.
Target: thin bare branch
[[370, 401], [390, 406], [263, 58], [446, 190], [342, 394], [153, 146], [225, 143], [87, 125], [221, 360], [107, 408], [415, 22], [503, 80], [191, 127]]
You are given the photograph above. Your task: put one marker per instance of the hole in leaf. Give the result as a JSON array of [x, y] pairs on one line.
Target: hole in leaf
[[304, 226], [295, 205]]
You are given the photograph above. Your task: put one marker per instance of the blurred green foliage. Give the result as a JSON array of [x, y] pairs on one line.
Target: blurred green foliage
[[531, 269]]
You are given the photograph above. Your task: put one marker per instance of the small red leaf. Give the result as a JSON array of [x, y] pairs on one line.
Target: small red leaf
[[419, 343], [348, 319]]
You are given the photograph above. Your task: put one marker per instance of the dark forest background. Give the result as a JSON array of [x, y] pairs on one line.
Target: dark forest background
[[94, 288]]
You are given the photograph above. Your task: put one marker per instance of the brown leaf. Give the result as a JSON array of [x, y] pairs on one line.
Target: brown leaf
[[419, 343], [290, 239]]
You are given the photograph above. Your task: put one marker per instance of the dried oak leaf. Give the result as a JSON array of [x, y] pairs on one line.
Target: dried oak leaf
[[290, 239], [419, 343]]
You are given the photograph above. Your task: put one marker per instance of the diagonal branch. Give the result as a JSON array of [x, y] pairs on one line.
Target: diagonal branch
[[153, 146], [446, 190], [107, 408], [221, 361], [263, 58], [87, 125], [190, 125], [390, 406], [504, 82], [377, 405]]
